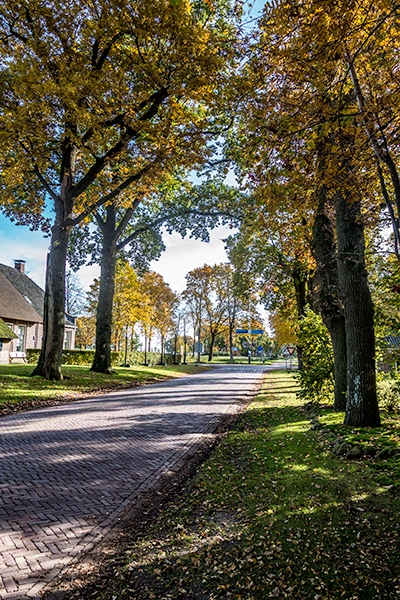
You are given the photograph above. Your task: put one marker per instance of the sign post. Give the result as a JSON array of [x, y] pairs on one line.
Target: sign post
[[249, 331], [291, 350]]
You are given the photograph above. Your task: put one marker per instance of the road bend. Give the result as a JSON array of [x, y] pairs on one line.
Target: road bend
[[69, 472]]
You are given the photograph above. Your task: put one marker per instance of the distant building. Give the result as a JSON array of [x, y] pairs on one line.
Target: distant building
[[21, 310]]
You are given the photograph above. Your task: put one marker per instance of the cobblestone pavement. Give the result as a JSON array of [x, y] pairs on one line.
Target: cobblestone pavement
[[68, 472]]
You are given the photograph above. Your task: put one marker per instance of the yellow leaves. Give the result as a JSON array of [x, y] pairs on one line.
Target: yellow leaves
[[86, 332], [161, 303], [128, 307]]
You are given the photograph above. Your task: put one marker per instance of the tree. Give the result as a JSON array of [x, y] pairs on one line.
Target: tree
[[136, 233], [195, 297], [86, 332], [215, 301], [63, 134], [203, 292], [74, 294], [316, 379], [300, 90], [129, 304], [328, 300], [228, 296], [274, 254], [163, 302], [283, 329]]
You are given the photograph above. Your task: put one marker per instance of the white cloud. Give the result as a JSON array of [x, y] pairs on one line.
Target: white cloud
[[183, 255]]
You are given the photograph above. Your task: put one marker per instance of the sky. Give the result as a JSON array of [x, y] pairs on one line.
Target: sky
[[181, 256]]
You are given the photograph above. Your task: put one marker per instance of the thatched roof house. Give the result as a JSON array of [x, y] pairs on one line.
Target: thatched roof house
[[21, 309], [5, 332], [21, 283]]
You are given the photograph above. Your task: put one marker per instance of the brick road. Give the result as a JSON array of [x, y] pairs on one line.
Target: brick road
[[68, 472]]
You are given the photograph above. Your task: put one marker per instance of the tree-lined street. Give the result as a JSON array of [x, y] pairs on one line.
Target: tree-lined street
[[70, 471]]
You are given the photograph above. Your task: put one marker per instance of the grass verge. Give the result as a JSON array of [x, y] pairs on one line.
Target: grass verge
[[272, 514], [19, 391]]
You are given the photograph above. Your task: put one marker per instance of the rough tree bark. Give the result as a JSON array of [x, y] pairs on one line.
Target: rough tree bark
[[362, 405], [211, 350], [162, 358], [49, 364], [327, 293], [102, 355]]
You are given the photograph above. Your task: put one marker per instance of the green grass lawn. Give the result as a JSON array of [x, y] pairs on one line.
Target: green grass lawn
[[272, 514], [20, 391]]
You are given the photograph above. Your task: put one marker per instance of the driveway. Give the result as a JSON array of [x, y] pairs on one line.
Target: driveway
[[68, 472]]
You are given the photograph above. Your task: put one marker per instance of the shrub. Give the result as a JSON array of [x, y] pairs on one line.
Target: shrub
[[317, 378], [389, 393], [85, 357]]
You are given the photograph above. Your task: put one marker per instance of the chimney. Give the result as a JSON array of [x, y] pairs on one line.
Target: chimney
[[20, 265]]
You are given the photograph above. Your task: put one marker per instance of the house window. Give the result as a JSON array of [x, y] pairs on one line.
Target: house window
[[21, 338], [67, 340], [1, 345]]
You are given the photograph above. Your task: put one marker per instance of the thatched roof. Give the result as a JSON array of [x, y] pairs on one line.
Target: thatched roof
[[5, 332], [28, 289], [13, 305]]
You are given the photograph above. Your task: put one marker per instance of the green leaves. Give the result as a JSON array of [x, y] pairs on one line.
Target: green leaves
[[317, 377]]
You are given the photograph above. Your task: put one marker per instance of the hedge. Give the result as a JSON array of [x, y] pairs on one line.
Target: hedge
[[85, 357]]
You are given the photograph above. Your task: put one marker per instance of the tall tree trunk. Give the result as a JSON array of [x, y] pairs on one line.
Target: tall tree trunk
[[326, 285], [162, 350], [198, 341], [126, 347], [102, 356], [231, 325], [362, 406], [175, 342], [211, 350], [49, 364], [145, 349]]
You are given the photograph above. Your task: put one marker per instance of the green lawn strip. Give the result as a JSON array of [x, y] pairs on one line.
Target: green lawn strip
[[19, 390], [272, 514]]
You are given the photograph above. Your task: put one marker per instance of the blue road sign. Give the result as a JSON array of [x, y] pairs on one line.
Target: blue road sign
[[253, 331]]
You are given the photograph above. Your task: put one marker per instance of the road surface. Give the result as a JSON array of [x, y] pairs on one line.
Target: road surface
[[68, 472]]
